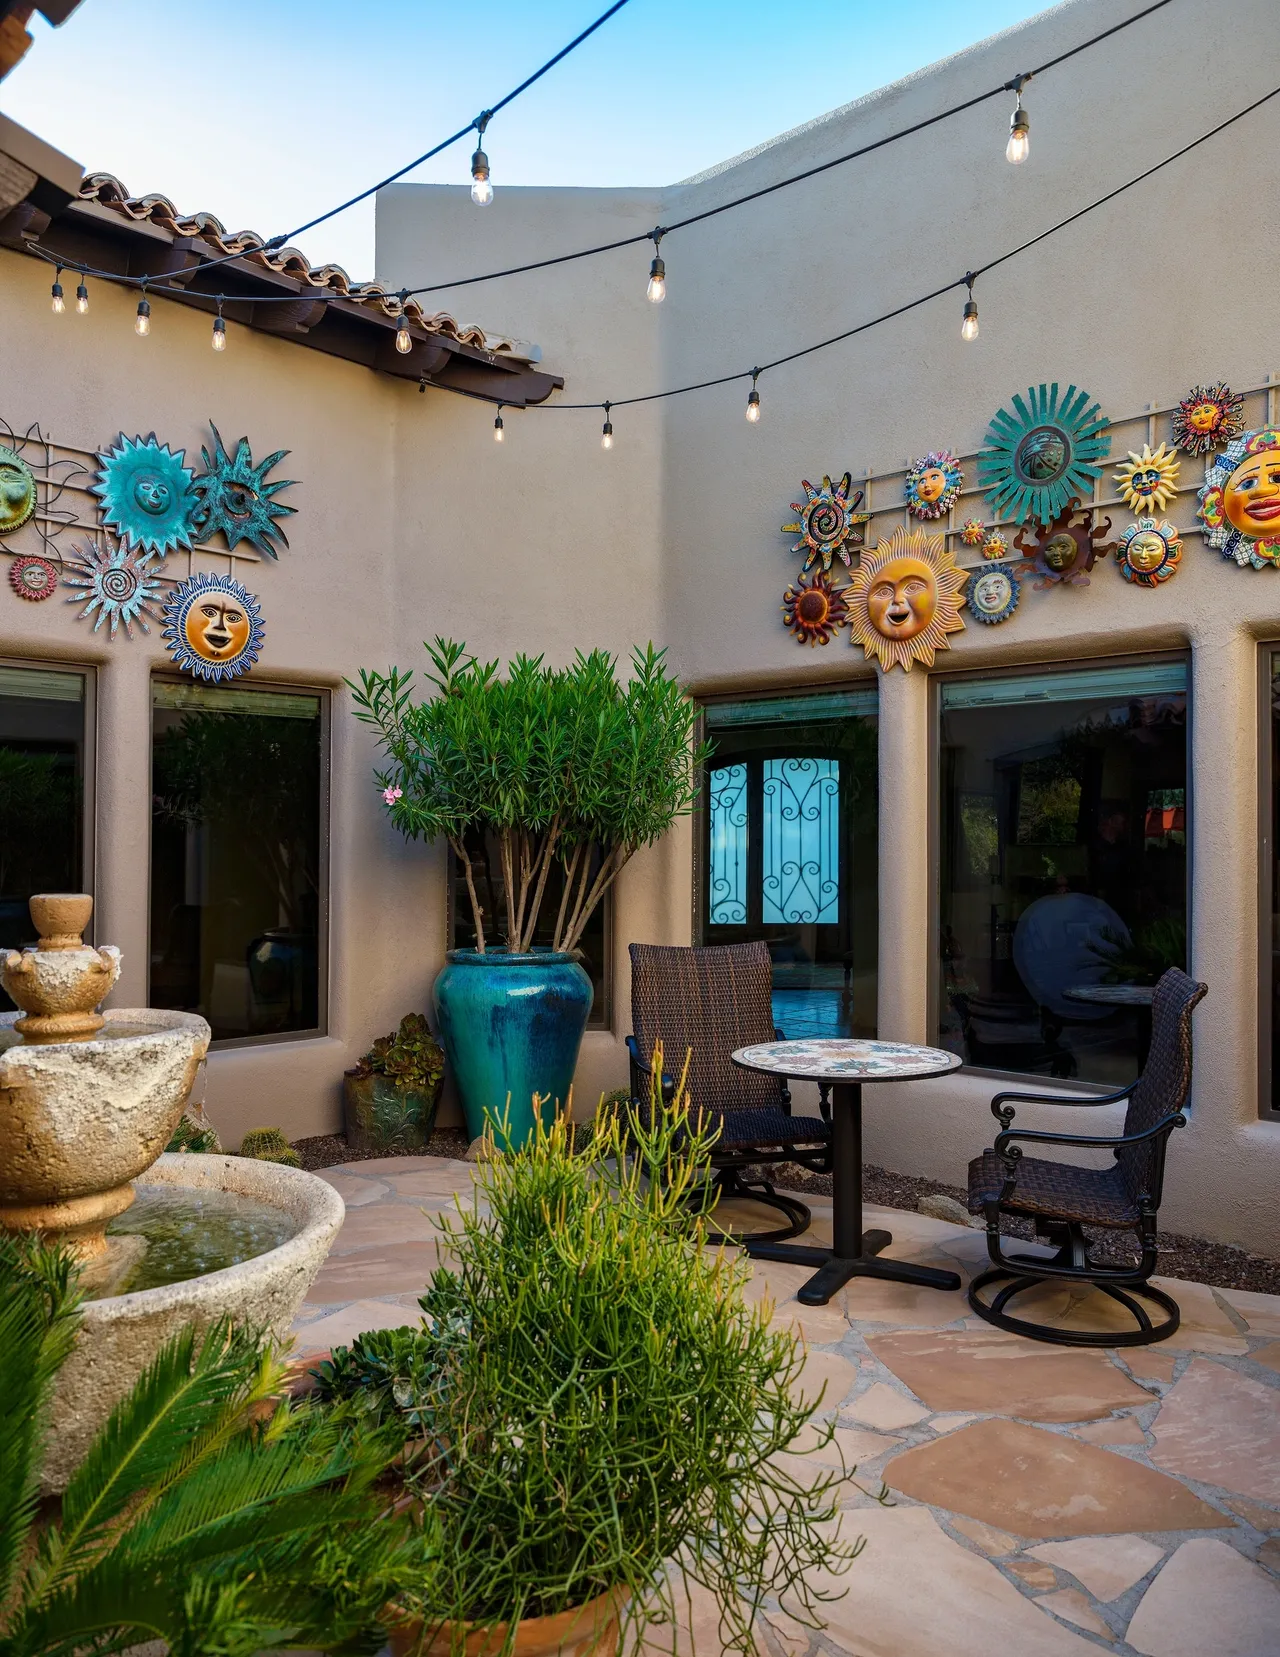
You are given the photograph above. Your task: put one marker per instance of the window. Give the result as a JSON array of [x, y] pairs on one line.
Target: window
[[593, 949], [237, 888], [1271, 874], [42, 794], [788, 851], [1063, 865]]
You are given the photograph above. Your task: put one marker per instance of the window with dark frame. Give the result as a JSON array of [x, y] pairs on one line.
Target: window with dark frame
[[1063, 821], [237, 857], [1271, 1097], [788, 851], [43, 740]]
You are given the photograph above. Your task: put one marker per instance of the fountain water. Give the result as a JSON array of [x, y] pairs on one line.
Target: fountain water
[[88, 1101]]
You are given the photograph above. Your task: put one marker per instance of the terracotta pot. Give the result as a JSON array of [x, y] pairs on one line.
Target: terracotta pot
[[589, 1630]]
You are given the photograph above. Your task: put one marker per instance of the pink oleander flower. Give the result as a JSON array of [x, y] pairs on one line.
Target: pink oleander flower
[[391, 795]]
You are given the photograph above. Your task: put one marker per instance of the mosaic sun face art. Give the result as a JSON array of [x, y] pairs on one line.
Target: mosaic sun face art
[[17, 491], [814, 610], [1147, 480], [973, 534], [145, 491], [33, 578], [1149, 552], [829, 524], [116, 584], [993, 595], [933, 484], [995, 545], [904, 599], [234, 499], [1208, 417], [1042, 452], [213, 627], [1062, 552], [1239, 503]]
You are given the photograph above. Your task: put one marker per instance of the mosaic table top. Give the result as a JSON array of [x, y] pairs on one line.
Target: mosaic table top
[[1113, 995], [847, 1061]]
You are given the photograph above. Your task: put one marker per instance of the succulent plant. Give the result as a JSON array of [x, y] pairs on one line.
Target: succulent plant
[[269, 1145]]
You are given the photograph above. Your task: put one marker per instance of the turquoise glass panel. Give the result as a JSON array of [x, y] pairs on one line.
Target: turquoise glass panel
[[801, 842], [727, 886]]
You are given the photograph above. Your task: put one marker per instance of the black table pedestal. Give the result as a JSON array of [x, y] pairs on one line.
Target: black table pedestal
[[854, 1252]]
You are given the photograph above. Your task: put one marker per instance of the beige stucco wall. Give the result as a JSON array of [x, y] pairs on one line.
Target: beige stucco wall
[[1169, 286]]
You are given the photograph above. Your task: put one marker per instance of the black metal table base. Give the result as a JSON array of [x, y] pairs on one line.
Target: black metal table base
[[855, 1252]]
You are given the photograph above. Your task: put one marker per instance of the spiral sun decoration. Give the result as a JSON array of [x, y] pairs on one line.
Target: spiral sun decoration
[[814, 610], [829, 522], [1147, 480], [116, 582], [1040, 455], [904, 599], [1208, 417]]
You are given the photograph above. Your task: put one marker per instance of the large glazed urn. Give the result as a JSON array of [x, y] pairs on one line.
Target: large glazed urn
[[511, 1027]]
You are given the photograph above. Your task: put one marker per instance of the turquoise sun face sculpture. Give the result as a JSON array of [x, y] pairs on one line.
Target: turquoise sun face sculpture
[[146, 494], [1042, 453], [234, 500]]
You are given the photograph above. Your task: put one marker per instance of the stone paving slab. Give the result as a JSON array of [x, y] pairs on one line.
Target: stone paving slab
[[1046, 1501]]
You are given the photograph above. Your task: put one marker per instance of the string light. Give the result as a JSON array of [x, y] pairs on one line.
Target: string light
[[82, 298], [142, 322], [481, 184], [606, 434], [656, 292], [1019, 145], [753, 399], [58, 304], [497, 425], [404, 339], [969, 327], [219, 329]]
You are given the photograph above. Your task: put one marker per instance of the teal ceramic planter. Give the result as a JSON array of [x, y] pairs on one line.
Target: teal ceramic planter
[[511, 1025]]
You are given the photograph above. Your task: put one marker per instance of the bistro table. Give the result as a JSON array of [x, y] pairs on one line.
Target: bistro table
[[1137, 996], [846, 1065]]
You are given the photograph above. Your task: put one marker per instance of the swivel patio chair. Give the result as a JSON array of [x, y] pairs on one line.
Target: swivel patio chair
[[1062, 1198], [708, 1002]]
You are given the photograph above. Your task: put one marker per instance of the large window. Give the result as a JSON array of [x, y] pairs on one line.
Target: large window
[[1063, 868], [42, 794], [788, 851], [1271, 948], [237, 857]]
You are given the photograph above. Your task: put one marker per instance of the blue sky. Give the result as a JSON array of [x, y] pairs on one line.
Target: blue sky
[[266, 112]]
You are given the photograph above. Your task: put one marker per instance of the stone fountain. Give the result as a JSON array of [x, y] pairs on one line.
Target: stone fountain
[[88, 1102]]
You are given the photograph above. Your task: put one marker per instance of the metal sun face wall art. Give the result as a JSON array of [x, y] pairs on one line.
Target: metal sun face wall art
[[1147, 480], [1042, 453], [233, 498], [116, 584], [933, 484], [1239, 502], [1208, 417], [1062, 552], [17, 491], [213, 627], [904, 599], [814, 610], [993, 594], [829, 523], [1149, 552], [145, 491]]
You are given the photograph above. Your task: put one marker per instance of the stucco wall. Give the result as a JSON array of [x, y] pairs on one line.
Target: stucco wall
[[1167, 287]]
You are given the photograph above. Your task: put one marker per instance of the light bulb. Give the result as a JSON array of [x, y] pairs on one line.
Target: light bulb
[[753, 406], [59, 304], [969, 327], [219, 334], [404, 339], [497, 429], [142, 322], [82, 299], [481, 186], [656, 292], [606, 435], [1019, 145]]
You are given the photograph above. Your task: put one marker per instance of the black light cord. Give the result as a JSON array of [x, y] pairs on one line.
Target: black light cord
[[798, 178]]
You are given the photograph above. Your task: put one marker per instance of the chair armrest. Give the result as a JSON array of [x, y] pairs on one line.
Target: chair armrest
[[1004, 1114], [1035, 1136], [640, 1068]]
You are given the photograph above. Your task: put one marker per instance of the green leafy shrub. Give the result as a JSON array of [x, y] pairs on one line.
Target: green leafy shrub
[[188, 1136], [411, 1056], [207, 1512], [269, 1145], [561, 765], [606, 1411]]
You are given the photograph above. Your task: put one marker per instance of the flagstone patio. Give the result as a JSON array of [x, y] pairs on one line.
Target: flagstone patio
[[1046, 1501]]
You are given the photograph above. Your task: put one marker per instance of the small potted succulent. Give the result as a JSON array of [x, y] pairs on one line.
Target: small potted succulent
[[390, 1098]]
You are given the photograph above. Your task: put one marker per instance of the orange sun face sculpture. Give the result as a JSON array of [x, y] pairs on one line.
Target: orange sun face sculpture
[[904, 599], [814, 610]]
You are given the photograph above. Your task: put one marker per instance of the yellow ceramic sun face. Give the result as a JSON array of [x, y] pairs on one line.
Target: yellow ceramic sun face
[[1203, 417], [904, 599], [1147, 551], [1147, 480], [1251, 499], [217, 629]]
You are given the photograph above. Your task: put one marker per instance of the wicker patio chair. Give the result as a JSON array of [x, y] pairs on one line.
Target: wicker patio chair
[[1062, 1198], [706, 1003]]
